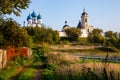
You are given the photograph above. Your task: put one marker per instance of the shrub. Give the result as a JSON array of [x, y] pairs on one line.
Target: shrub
[[45, 48], [47, 74], [83, 41], [27, 74]]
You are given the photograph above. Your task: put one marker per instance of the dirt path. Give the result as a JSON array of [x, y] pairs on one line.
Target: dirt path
[[38, 73]]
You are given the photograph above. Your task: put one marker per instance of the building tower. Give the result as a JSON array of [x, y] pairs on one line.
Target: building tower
[[39, 20], [84, 19], [83, 24], [29, 20], [34, 20]]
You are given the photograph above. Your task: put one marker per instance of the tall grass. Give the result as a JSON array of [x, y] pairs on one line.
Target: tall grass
[[69, 68], [27, 74]]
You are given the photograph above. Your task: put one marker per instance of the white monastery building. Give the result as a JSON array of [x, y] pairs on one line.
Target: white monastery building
[[83, 25]]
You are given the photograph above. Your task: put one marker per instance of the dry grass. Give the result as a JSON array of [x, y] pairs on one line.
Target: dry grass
[[75, 68], [83, 50], [64, 47], [96, 68], [59, 58]]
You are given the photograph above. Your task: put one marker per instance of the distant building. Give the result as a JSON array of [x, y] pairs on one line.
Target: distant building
[[65, 26], [84, 25], [34, 20], [62, 33]]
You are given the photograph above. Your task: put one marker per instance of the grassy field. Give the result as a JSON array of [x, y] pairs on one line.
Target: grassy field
[[71, 68], [66, 67], [61, 65], [86, 50]]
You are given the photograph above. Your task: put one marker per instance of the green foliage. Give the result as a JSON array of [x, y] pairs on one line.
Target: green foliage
[[8, 71], [73, 34], [45, 48], [51, 67], [27, 74], [41, 35], [83, 41], [112, 40], [96, 37], [110, 37], [14, 35], [47, 74], [13, 6]]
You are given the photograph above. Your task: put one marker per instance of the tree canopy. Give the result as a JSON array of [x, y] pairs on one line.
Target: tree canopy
[[73, 33], [13, 35], [43, 34], [13, 6], [96, 36]]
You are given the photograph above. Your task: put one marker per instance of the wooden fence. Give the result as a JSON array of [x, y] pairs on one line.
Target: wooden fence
[[11, 52]]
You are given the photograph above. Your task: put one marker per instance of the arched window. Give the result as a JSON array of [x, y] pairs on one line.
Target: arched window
[[85, 20]]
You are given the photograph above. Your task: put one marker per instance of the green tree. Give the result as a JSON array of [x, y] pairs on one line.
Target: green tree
[[96, 37], [73, 33], [13, 6], [109, 34], [111, 39], [41, 35], [14, 35]]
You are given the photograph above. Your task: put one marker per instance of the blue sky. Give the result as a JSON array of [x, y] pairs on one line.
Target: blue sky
[[103, 14]]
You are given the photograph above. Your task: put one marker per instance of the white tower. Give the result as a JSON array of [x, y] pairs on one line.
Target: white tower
[[83, 24], [29, 20], [84, 19], [34, 19], [39, 20]]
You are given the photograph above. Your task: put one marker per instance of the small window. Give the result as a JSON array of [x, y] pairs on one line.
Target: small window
[[88, 30], [85, 20]]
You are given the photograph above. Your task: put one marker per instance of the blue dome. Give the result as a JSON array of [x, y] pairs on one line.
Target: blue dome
[[33, 14], [39, 16], [29, 17]]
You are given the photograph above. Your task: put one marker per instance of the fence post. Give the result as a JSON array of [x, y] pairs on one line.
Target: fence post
[[4, 58]]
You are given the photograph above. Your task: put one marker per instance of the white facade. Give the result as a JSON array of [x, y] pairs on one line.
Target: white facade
[[83, 25], [62, 34], [84, 33]]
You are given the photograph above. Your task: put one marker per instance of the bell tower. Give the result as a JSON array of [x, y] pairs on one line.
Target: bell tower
[[84, 19]]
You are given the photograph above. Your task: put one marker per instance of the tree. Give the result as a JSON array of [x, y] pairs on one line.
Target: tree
[[96, 36], [13, 6], [111, 39], [14, 35], [73, 33], [109, 34], [42, 34]]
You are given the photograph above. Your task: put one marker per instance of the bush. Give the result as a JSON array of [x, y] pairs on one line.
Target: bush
[[27, 74], [83, 41], [2, 77], [47, 74], [51, 67], [45, 48]]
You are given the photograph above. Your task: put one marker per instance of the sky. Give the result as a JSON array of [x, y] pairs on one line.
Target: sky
[[103, 14]]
